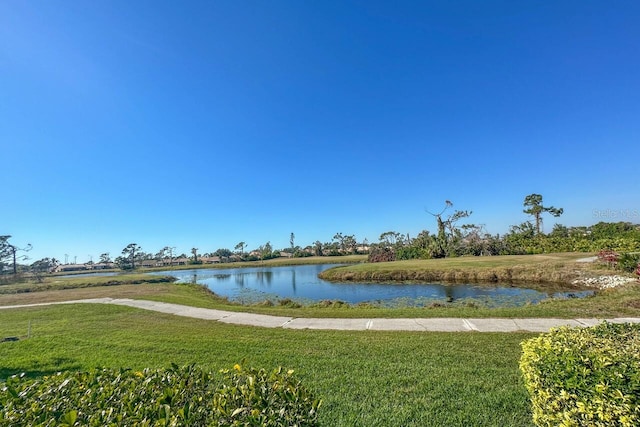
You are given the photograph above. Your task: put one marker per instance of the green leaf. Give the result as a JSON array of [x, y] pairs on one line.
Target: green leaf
[[70, 417]]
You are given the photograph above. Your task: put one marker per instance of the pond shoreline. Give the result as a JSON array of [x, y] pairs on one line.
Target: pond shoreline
[[565, 270], [510, 276]]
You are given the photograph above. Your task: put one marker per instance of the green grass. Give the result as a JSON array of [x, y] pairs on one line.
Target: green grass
[[365, 378], [621, 302], [275, 262], [53, 283], [548, 268]]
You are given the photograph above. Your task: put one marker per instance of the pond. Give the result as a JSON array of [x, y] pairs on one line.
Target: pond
[[301, 284]]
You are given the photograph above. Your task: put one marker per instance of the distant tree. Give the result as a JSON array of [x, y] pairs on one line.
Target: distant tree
[[44, 265], [194, 252], [559, 230], [440, 223], [223, 253], [350, 243], [240, 246], [8, 252], [345, 243], [475, 241], [317, 248], [104, 258], [447, 230], [363, 247], [130, 252], [526, 229], [390, 238], [521, 239], [533, 203], [168, 250], [604, 230], [423, 239], [123, 263], [338, 238], [266, 251], [331, 248]]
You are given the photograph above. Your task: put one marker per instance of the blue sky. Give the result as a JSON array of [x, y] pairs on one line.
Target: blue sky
[[206, 123]]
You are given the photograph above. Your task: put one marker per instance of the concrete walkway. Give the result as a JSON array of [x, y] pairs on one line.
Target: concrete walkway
[[426, 324]]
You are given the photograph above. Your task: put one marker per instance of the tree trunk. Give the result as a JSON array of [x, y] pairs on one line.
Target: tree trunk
[[15, 269]]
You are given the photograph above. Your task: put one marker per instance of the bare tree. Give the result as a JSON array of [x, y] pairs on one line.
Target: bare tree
[[10, 251], [447, 229], [390, 238]]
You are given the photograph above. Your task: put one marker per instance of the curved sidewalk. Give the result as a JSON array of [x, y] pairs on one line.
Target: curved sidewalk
[[383, 324]]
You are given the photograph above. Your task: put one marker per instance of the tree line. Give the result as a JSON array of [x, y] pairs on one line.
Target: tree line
[[451, 239]]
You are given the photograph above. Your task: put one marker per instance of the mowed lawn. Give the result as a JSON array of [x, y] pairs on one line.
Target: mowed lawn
[[368, 378], [364, 378]]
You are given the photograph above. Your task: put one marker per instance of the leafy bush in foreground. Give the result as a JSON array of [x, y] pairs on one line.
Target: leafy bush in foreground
[[259, 398], [176, 396], [584, 376]]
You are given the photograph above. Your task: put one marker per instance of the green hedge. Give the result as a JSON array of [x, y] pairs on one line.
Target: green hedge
[[178, 396], [584, 376]]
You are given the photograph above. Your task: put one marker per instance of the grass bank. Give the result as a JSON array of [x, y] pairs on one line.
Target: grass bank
[[512, 269], [56, 283], [364, 378], [275, 262], [619, 302]]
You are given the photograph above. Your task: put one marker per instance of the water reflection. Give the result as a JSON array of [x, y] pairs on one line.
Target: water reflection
[[263, 277], [239, 278], [293, 281], [249, 285]]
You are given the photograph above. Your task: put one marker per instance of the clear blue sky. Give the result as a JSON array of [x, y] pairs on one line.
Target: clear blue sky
[[206, 123]]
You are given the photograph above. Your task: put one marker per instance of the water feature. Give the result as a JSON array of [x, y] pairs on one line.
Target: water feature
[[301, 283]]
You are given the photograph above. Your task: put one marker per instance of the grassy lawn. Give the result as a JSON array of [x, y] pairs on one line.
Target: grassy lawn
[[364, 378], [619, 302]]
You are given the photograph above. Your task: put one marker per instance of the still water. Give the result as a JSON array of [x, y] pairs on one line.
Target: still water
[[301, 284]]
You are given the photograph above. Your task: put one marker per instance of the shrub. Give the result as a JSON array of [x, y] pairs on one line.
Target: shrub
[[382, 255], [288, 302], [609, 257], [410, 252], [176, 396], [584, 376], [628, 262], [252, 397]]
